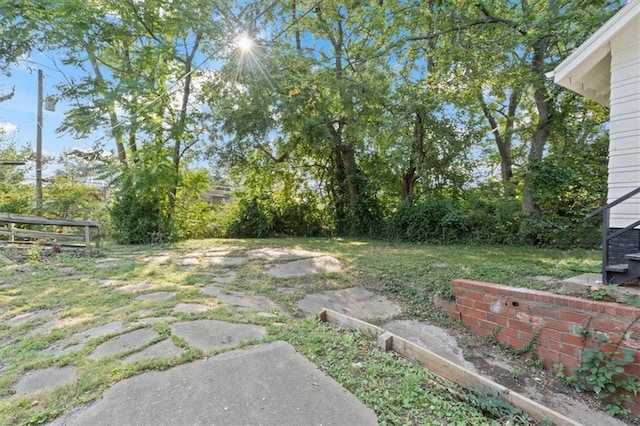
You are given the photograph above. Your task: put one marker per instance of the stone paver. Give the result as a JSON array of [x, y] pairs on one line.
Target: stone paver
[[265, 385], [303, 267], [133, 288], [123, 343], [191, 308], [161, 257], [164, 349], [42, 380], [108, 263], [356, 302], [212, 334], [26, 317], [153, 320], [158, 295], [276, 254], [56, 323], [240, 300], [110, 283], [79, 340], [188, 261], [224, 261], [229, 277]]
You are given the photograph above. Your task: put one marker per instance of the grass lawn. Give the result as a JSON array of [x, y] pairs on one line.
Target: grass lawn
[[80, 291]]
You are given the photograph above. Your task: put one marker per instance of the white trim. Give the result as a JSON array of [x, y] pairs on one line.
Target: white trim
[[593, 50]]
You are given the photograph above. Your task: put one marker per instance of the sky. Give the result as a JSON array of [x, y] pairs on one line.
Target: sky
[[18, 116]]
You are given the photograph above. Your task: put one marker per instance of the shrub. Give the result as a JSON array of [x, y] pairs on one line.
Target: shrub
[[140, 210], [435, 220], [250, 219], [193, 216], [259, 216]]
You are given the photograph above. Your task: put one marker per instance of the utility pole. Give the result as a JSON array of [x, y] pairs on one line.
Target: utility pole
[[39, 147]]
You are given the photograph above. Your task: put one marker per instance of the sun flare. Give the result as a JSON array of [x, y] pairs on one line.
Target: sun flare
[[244, 42]]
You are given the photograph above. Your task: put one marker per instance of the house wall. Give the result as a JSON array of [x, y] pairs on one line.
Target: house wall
[[624, 145], [563, 325]]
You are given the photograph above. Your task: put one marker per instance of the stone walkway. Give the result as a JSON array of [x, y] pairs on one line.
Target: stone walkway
[[267, 384]]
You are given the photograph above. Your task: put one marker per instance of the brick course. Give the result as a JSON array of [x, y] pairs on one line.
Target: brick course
[[515, 315]]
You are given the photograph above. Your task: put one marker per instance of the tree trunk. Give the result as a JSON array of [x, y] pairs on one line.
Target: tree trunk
[[541, 132], [347, 154], [113, 117], [181, 126], [504, 138], [409, 180]]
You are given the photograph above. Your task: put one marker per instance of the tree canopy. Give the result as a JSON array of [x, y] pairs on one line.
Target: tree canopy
[[357, 111]]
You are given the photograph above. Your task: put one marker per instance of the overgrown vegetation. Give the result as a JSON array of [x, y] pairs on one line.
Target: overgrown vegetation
[[432, 122], [82, 290], [602, 371]]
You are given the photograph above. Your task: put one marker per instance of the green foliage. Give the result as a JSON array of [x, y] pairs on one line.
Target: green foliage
[[251, 218], [15, 195], [260, 216], [567, 379], [140, 213], [194, 217], [71, 200], [483, 215], [493, 219], [435, 220], [603, 370]]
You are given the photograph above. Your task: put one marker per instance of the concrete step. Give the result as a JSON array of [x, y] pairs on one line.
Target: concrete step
[[633, 256], [620, 269]]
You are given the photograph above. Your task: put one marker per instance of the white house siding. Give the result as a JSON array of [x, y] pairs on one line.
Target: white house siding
[[624, 145]]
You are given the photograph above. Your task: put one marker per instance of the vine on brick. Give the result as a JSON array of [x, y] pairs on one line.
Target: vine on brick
[[603, 371]]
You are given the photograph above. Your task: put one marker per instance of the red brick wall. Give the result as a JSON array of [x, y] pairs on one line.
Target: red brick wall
[[515, 315]]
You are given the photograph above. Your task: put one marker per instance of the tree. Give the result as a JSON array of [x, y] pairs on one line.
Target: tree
[[499, 53]]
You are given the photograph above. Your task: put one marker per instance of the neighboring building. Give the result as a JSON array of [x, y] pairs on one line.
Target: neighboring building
[[218, 195], [606, 69]]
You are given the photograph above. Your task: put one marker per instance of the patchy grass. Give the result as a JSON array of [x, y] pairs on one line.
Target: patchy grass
[[82, 291]]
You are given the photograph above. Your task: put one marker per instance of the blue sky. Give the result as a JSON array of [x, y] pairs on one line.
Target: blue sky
[[18, 115]]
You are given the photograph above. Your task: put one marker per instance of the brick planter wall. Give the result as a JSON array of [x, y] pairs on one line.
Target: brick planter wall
[[516, 315]]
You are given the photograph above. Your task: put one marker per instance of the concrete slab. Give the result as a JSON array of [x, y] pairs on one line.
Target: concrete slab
[[224, 261], [164, 349], [55, 324], [226, 278], [431, 337], [108, 263], [265, 385], [110, 283], [133, 288], [240, 300], [158, 295], [186, 261], [161, 257], [277, 254], [191, 308], [123, 343], [299, 268], [212, 334], [103, 330], [356, 302], [216, 253], [582, 282], [153, 320], [42, 380], [26, 317]]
